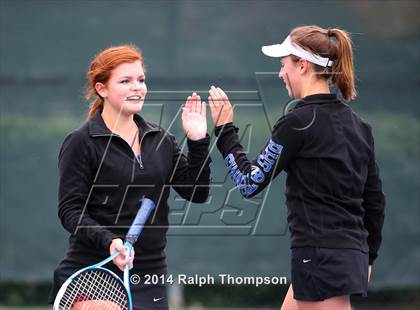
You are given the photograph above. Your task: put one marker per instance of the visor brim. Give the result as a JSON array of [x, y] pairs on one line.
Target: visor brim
[[276, 50]]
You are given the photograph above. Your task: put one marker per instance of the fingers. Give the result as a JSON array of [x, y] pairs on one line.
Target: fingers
[[193, 103], [214, 111], [216, 100], [215, 96], [116, 245], [222, 93], [220, 107], [131, 260], [125, 256], [211, 105], [196, 106], [203, 111], [187, 104], [129, 257], [218, 94], [120, 247]]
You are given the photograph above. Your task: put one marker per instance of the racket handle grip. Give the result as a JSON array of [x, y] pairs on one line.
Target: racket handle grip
[[146, 207]]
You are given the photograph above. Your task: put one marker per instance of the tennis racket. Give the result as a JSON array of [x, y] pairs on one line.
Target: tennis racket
[[95, 287]]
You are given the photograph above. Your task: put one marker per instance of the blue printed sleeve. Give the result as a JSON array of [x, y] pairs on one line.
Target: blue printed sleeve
[[251, 177]]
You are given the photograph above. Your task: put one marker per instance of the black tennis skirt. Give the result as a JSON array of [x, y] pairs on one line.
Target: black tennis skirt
[[322, 273]]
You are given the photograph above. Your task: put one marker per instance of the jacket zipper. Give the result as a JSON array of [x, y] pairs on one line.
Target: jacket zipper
[[139, 160]]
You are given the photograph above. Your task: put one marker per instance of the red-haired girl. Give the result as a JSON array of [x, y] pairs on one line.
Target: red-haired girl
[[112, 161]]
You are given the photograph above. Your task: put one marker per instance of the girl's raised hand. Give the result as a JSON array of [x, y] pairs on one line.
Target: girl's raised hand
[[220, 107], [194, 120]]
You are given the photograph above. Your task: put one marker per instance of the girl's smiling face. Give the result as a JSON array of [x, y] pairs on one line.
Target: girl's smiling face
[[126, 88], [290, 75]]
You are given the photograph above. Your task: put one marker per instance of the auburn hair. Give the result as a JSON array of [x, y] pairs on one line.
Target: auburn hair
[[100, 70], [334, 44]]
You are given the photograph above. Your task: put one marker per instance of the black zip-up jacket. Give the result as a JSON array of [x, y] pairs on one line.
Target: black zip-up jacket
[[333, 189], [101, 183]]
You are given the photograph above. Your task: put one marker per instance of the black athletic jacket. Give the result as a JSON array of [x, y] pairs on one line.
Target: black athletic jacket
[[101, 183], [333, 190]]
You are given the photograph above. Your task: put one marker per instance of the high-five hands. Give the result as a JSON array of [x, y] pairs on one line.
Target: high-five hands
[[220, 107], [194, 120]]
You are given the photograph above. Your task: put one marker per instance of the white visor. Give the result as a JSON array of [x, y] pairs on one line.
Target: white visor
[[288, 48]]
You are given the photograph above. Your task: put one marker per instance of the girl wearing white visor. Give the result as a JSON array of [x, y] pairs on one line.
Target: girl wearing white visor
[[333, 189]]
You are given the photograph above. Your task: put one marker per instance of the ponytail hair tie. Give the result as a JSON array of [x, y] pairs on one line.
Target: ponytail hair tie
[[329, 32]]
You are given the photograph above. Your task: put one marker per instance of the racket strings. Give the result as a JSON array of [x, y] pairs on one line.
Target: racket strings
[[96, 286]]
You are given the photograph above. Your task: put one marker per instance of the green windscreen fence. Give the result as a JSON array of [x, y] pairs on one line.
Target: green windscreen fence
[[46, 47]]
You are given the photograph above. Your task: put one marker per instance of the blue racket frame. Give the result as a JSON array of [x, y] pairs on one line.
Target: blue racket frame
[[146, 207]]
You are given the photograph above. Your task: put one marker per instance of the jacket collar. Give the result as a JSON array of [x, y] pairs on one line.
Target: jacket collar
[[318, 99], [97, 125]]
